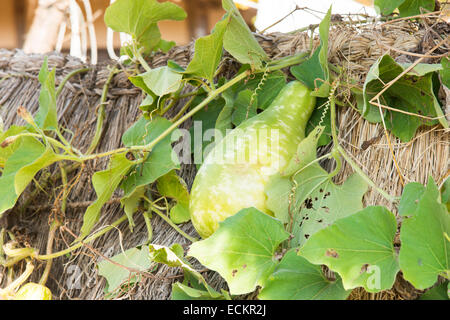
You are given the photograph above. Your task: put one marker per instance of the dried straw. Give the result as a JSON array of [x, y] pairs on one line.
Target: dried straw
[[76, 277]]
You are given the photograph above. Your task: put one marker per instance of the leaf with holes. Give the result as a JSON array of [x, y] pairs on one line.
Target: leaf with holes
[[304, 196], [242, 250], [297, 279], [424, 254], [360, 248]]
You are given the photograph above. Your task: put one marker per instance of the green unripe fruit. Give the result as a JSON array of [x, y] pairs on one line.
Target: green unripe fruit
[[236, 171]]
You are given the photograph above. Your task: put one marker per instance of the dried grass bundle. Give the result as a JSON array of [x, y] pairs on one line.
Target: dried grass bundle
[[353, 46]]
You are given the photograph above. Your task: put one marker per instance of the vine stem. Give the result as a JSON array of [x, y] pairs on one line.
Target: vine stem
[[183, 109], [348, 159], [18, 282], [55, 142], [80, 244], [170, 222], [51, 236], [101, 112], [286, 61], [272, 66], [209, 98], [67, 78]]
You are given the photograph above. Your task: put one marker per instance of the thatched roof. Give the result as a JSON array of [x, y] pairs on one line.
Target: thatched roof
[[354, 47]]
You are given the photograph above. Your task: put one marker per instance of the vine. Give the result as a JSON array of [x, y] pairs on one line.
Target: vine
[[311, 210]]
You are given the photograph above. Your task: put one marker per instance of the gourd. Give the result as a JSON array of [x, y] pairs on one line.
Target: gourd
[[33, 291], [235, 172]]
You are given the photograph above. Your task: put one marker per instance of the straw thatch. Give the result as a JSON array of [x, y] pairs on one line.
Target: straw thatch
[[75, 276]]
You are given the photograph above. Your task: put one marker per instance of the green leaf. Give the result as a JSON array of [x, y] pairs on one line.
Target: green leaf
[[422, 69], [131, 203], [439, 292], [165, 46], [28, 158], [173, 256], [172, 186], [243, 110], [296, 279], [360, 248], [386, 7], [411, 93], [158, 162], [445, 192], [148, 104], [239, 40], [414, 7], [208, 52], [175, 66], [204, 122], [424, 254], [46, 117], [321, 116], [180, 213], [445, 72], [237, 99], [316, 202], [242, 250], [139, 19], [7, 150], [116, 275], [269, 89], [159, 81], [223, 121], [410, 198], [314, 72], [183, 292], [105, 183]]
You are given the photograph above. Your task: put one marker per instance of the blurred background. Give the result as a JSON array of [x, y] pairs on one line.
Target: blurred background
[[40, 26]]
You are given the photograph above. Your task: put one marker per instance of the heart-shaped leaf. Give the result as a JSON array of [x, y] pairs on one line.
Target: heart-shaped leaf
[[360, 248], [242, 250], [297, 279]]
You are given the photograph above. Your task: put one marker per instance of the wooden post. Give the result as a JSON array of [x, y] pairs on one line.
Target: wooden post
[[197, 18], [41, 38]]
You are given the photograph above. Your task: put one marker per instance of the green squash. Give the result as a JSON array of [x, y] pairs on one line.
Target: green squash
[[237, 169]]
